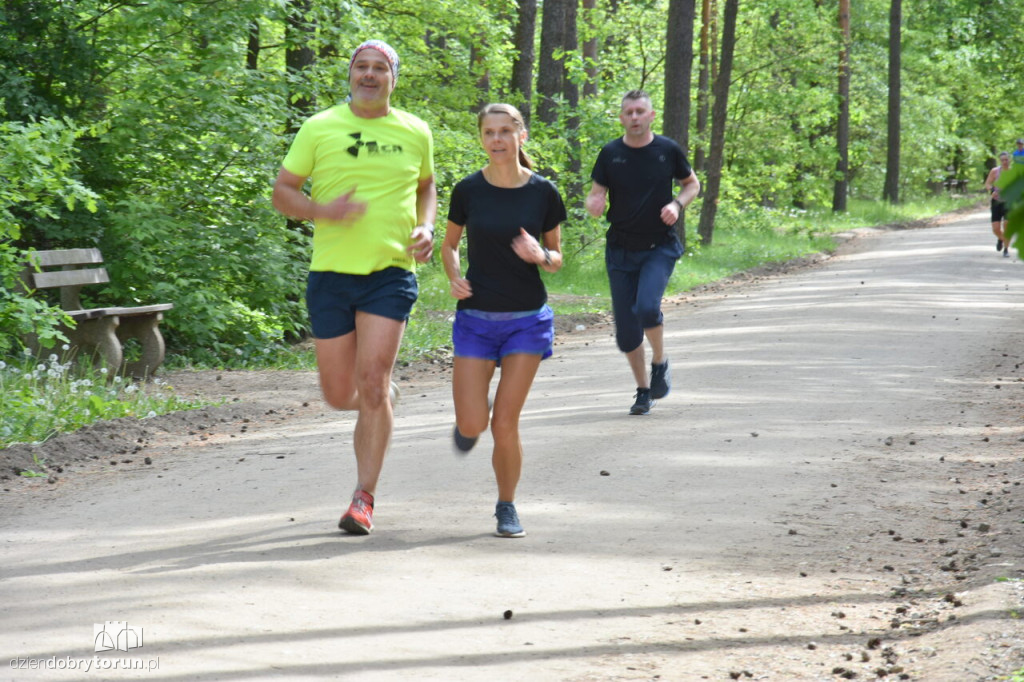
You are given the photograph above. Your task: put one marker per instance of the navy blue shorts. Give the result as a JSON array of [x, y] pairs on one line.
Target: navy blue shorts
[[637, 280], [333, 298], [492, 336]]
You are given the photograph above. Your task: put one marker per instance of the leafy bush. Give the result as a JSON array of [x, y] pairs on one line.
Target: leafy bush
[[38, 168]]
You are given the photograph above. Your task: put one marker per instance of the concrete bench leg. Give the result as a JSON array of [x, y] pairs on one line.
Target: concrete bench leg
[[99, 339], [145, 329]]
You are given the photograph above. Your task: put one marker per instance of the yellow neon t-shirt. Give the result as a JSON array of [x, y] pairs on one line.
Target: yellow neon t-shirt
[[383, 159]]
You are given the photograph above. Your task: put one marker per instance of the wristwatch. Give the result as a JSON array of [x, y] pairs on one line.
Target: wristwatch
[[678, 203], [547, 255]]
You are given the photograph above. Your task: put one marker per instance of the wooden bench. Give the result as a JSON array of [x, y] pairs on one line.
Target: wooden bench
[[954, 184], [100, 332]]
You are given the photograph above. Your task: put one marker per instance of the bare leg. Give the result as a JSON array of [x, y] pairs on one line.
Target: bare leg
[[336, 361], [471, 380], [997, 229], [517, 373], [355, 373], [656, 337], [638, 363]]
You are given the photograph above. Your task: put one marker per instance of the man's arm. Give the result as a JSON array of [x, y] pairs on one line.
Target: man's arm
[[688, 191], [289, 199], [422, 237], [596, 200], [426, 201]]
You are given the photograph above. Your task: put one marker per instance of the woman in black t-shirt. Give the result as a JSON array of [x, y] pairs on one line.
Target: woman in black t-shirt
[[512, 219]]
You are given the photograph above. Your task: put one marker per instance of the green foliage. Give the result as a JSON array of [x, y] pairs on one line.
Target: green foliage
[[150, 117], [48, 61], [37, 179], [1011, 191]]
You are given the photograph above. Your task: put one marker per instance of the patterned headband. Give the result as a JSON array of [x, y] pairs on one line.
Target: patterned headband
[[382, 47]]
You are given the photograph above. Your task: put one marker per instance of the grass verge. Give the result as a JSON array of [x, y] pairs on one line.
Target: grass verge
[[43, 397]]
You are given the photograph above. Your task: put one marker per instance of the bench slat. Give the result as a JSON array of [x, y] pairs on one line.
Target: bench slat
[[46, 259], [89, 314], [139, 310], [64, 278]]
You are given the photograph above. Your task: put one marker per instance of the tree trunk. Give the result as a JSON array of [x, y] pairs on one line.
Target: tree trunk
[[252, 50], [891, 190], [522, 66], [478, 67], [842, 186], [703, 85], [298, 57], [613, 44], [719, 111], [571, 93], [551, 74], [590, 49], [678, 73], [678, 70]]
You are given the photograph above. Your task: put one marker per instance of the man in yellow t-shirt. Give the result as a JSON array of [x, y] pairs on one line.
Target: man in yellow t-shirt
[[373, 201]]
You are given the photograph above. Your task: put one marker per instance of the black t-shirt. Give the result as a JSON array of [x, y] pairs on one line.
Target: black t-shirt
[[492, 216], [639, 182]]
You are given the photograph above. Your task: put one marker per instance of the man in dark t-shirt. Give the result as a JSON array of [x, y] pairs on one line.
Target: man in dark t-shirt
[[636, 174]]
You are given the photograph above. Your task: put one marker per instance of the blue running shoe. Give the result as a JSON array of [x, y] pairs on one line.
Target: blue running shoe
[[661, 380], [508, 521]]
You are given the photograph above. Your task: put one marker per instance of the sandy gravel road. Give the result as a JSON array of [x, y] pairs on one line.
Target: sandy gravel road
[[830, 492]]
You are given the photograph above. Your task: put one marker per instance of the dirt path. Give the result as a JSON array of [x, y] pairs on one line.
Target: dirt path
[[830, 492]]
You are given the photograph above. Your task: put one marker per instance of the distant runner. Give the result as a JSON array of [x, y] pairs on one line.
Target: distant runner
[[636, 173]]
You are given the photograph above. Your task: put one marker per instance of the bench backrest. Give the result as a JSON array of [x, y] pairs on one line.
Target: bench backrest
[[72, 276]]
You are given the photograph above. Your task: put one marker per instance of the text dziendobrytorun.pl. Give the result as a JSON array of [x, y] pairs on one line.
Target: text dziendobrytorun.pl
[[84, 664]]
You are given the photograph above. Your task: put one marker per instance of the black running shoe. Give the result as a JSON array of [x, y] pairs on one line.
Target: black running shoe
[[999, 245], [661, 380], [643, 402]]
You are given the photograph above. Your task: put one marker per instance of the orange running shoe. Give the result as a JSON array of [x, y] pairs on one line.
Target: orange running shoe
[[358, 520]]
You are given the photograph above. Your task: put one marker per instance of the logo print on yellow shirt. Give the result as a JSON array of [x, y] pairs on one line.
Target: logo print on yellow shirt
[[371, 147]]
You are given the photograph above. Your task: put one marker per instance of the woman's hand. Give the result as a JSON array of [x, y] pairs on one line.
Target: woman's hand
[[528, 248], [460, 288]]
